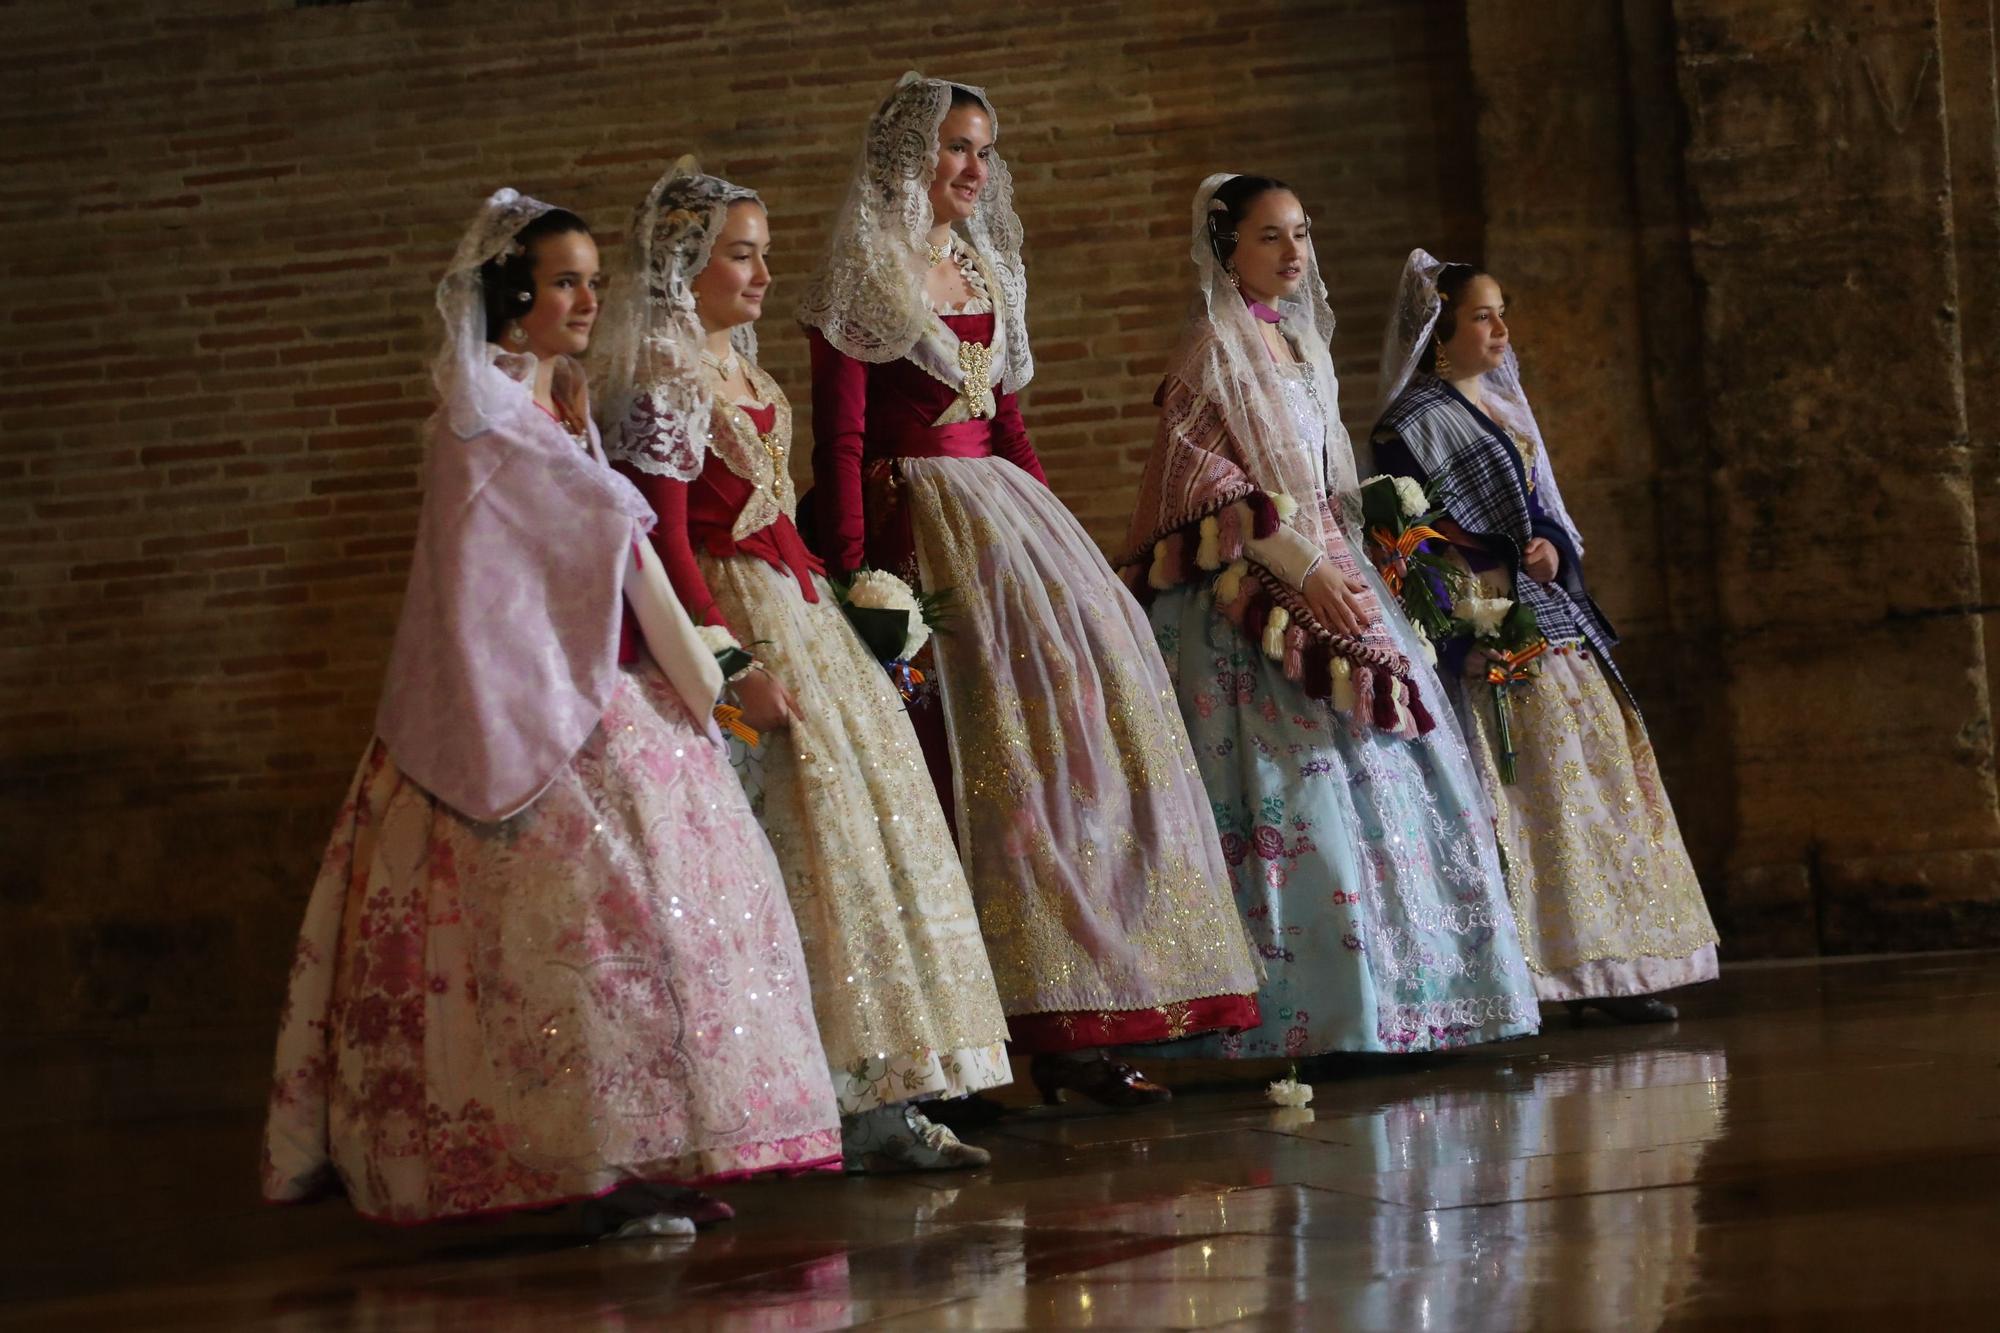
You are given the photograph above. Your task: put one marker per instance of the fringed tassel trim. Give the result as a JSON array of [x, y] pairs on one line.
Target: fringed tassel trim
[[1370, 692], [1208, 544]]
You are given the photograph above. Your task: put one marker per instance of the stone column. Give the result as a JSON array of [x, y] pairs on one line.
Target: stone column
[[1820, 177]]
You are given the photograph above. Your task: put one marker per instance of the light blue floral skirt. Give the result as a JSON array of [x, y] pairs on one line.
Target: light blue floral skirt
[[1365, 866]]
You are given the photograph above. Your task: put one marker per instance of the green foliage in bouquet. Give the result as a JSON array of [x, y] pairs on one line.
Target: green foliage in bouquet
[[1512, 646], [885, 630], [1411, 555], [1519, 630], [733, 660]]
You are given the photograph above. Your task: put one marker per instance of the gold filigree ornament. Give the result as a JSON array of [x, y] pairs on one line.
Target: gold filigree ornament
[[975, 362], [774, 445]]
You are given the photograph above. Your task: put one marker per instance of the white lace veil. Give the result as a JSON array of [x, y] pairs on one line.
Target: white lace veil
[[867, 295], [469, 393], [1412, 320], [654, 345], [1222, 355]]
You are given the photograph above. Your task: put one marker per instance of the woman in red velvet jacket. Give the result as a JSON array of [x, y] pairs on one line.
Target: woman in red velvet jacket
[[1080, 815], [900, 981]]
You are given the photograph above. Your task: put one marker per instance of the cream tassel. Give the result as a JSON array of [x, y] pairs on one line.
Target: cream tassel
[[1159, 575], [1285, 505], [1274, 633], [1208, 555], [1343, 685], [1231, 583]]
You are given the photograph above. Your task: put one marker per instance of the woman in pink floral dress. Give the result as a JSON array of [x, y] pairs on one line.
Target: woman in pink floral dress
[[548, 956]]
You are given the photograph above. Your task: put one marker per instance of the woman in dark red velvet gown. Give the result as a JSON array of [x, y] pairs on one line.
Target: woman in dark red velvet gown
[[1080, 815]]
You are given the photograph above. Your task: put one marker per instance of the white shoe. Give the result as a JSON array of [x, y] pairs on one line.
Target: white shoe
[[899, 1138], [632, 1212], [653, 1226]]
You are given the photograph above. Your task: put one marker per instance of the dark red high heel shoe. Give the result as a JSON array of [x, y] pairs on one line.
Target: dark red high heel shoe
[[1625, 1009], [704, 1210], [1105, 1081]]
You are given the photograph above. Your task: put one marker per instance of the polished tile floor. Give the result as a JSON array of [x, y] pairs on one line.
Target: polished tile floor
[[1814, 1145]]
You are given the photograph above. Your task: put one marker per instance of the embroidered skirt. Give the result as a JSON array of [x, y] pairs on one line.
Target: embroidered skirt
[[900, 979], [1364, 865], [1606, 898], [608, 986], [1082, 822]]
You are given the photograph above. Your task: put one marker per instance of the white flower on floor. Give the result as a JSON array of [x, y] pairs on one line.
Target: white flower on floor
[[1485, 613], [1289, 1092], [1410, 494], [1425, 647], [879, 590]]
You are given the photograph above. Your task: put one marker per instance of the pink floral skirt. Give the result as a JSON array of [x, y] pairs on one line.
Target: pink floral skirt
[[606, 987]]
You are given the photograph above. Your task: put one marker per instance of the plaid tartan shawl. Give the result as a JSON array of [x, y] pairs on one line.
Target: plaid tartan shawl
[[1477, 476]]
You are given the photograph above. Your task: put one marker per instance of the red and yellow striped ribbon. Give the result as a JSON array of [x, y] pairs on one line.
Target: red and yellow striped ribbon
[[730, 718], [1511, 668], [1400, 549]]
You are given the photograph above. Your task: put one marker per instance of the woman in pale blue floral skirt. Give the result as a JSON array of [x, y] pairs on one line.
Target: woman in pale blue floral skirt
[[1363, 863], [1359, 841]]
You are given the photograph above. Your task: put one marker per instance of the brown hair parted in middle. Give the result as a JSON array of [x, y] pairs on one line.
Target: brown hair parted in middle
[[1452, 280]]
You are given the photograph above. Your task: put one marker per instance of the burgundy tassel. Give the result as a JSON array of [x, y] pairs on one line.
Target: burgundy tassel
[[1263, 514], [1255, 615], [1385, 703], [1417, 710], [1317, 662]]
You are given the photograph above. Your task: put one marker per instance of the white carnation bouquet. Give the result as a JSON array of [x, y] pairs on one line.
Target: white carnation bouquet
[[894, 620], [879, 590]]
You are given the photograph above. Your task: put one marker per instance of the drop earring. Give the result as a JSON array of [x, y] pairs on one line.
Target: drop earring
[[1235, 281], [1443, 365], [517, 335]]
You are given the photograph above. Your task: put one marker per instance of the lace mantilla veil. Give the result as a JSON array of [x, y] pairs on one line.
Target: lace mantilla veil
[[657, 395], [867, 295], [470, 395], [1222, 354], [1412, 319]]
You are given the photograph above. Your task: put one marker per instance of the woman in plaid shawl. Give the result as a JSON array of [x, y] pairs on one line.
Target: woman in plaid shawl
[[1609, 907]]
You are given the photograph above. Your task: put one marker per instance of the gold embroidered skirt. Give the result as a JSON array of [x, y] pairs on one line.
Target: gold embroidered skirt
[[1082, 819], [900, 980], [1603, 891]]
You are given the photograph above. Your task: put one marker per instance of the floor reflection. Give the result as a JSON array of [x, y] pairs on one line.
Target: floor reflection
[[1815, 1145]]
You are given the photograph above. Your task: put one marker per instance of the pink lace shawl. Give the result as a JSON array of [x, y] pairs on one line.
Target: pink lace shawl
[[506, 654]]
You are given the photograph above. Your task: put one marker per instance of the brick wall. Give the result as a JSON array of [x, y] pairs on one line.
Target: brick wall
[[223, 222]]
